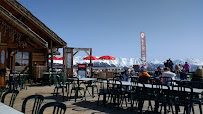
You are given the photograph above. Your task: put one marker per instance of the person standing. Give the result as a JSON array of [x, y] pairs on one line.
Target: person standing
[[187, 67], [171, 64], [166, 64]]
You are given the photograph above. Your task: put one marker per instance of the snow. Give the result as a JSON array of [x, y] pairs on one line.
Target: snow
[[129, 62]]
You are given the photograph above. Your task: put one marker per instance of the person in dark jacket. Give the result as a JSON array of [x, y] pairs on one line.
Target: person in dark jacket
[[158, 73], [166, 64], [171, 64]]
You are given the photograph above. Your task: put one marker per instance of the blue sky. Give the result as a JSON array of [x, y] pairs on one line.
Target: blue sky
[[173, 28]]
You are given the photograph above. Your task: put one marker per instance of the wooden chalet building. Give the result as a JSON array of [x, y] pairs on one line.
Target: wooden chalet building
[[24, 41]]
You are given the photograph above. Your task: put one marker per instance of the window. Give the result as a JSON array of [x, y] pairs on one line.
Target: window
[[22, 59]]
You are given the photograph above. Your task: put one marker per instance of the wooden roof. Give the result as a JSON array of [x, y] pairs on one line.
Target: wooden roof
[[21, 26], [34, 24]]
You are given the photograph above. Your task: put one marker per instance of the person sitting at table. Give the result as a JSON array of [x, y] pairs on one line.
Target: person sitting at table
[[143, 75], [126, 74], [198, 74], [158, 73], [167, 73]]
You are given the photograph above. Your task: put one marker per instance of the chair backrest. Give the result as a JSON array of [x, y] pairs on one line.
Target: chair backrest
[[54, 78], [37, 103], [143, 79], [13, 97], [166, 80], [25, 76], [59, 108], [195, 84], [2, 90], [180, 91], [118, 78]]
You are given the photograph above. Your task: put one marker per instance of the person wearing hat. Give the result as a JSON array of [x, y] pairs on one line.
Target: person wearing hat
[[143, 75], [198, 74], [143, 72]]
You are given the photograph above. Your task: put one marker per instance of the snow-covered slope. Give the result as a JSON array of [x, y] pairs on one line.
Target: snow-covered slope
[[153, 64]]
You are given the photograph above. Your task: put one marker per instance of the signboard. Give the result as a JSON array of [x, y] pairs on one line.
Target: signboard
[[143, 46], [82, 70], [38, 57]]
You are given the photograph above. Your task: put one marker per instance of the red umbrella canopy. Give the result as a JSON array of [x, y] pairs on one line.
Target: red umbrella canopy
[[88, 58], [107, 58], [61, 58], [54, 58]]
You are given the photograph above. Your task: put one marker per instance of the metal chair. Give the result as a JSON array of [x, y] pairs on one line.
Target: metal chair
[[182, 98], [2, 90], [13, 97], [37, 103], [103, 91], [59, 108], [23, 81], [90, 84], [76, 87], [161, 96], [58, 85], [199, 101]]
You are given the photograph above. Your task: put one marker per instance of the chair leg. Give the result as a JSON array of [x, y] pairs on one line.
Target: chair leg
[[63, 92], [76, 94], [54, 91], [98, 100], [70, 93], [92, 92], [200, 108]]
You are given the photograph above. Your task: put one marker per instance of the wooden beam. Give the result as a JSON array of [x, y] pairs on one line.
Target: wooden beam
[[75, 53], [87, 53]]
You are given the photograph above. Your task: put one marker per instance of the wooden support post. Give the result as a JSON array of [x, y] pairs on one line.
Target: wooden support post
[[64, 59], [52, 56]]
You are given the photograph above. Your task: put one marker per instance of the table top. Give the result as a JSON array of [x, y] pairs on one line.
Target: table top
[[4, 109], [84, 79], [50, 73], [125, 83]]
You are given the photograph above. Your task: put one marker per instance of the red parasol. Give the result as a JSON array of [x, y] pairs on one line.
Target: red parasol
[[61, 58], [88, 58], [54, 58], [107, 58]]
